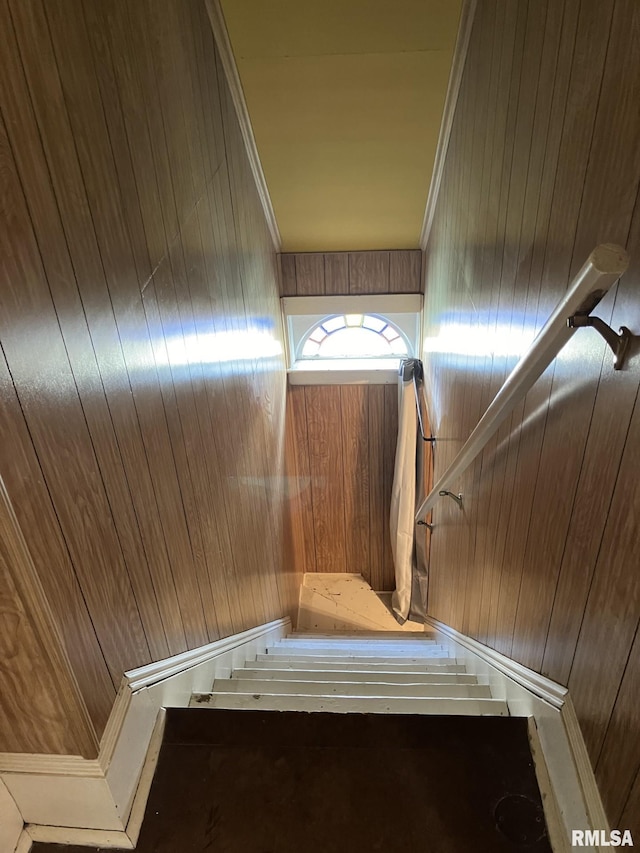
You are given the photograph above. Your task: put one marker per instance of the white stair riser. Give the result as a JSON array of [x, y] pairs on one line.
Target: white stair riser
[[350, 704], [345, 688], [367, 635], [354, 643], [423, 651], [385, 636], [389, 660], [303, 665], [379, 676]]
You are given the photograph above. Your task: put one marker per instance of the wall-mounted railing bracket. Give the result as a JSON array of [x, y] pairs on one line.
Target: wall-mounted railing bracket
[[427, 525], [457, 498], [619, 343]]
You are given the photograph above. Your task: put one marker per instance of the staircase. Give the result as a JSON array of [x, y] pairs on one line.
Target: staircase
[[382, 672]]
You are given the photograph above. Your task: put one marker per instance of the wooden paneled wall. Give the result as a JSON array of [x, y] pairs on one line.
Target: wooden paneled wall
[[142, 383], [344, 273], [342, 449], [53, 713], [543, 164]]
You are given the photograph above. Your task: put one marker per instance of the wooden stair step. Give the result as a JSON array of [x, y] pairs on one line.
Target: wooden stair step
[[380, 676], [350, 704], [425, 657], [364, 635], [304, 664], [351, 688], [360, 646]]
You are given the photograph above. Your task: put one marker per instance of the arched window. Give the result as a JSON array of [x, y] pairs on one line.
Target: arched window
[[358, 338], [341, 336]]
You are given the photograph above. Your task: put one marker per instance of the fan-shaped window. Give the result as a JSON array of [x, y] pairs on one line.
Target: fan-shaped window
[[354, 336], [359, 338]]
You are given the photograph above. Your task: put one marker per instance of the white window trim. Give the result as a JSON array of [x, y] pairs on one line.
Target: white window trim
[[380, 303]]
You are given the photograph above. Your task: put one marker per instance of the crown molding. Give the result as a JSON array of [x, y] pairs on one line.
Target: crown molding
[[223, 43], [465, 26]]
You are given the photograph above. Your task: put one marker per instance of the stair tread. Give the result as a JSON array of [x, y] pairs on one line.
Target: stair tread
[[388, 659], [374, 650], [364, 635], [348, 704], [364, 642], [433, 665], [382, 676], [350, 688]]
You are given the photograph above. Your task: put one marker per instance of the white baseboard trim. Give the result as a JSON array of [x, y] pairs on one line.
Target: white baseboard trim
[[11, 823], [101, 802], [223, 43], [573, 800]]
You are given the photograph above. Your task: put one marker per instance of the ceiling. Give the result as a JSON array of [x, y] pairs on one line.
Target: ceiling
[[345, 98]]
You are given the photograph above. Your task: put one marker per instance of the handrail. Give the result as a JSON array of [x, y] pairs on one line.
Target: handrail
[[602, 269]]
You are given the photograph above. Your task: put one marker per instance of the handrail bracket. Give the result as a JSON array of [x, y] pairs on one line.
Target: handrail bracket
[[457, 498], [619, 343]]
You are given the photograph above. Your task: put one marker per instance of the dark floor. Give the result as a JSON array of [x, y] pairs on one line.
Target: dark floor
[[282, 782]]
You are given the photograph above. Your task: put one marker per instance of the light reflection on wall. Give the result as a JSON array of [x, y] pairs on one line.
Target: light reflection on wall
[[478, 340], [255, 343], [476, 344]]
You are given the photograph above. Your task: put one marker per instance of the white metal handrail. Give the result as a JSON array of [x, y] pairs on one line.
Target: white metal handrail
[[603, 268]]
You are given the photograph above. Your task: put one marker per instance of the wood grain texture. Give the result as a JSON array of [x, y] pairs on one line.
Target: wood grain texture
[[288, 276], [404, 272], [324, 427], [343, 454], [355, 471], [542, 563], [144, 426], [42, 709], [336, 273], [310, 274], [344, 273]]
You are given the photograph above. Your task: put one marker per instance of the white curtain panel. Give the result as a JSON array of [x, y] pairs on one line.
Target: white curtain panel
[[403, 496]]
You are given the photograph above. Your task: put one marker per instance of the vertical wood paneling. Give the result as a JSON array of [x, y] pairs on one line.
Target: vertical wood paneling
[[631, 815], [404, 272], [143, 395], [355, 486], [342, 273], [568, 428], [59, 431], [617, 765], [288, 280], [43, 712], [310, 274], [324, 428], [369, 272], [542, 563], [303, 547], [336, 273], [613, 604], [344, 446]]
